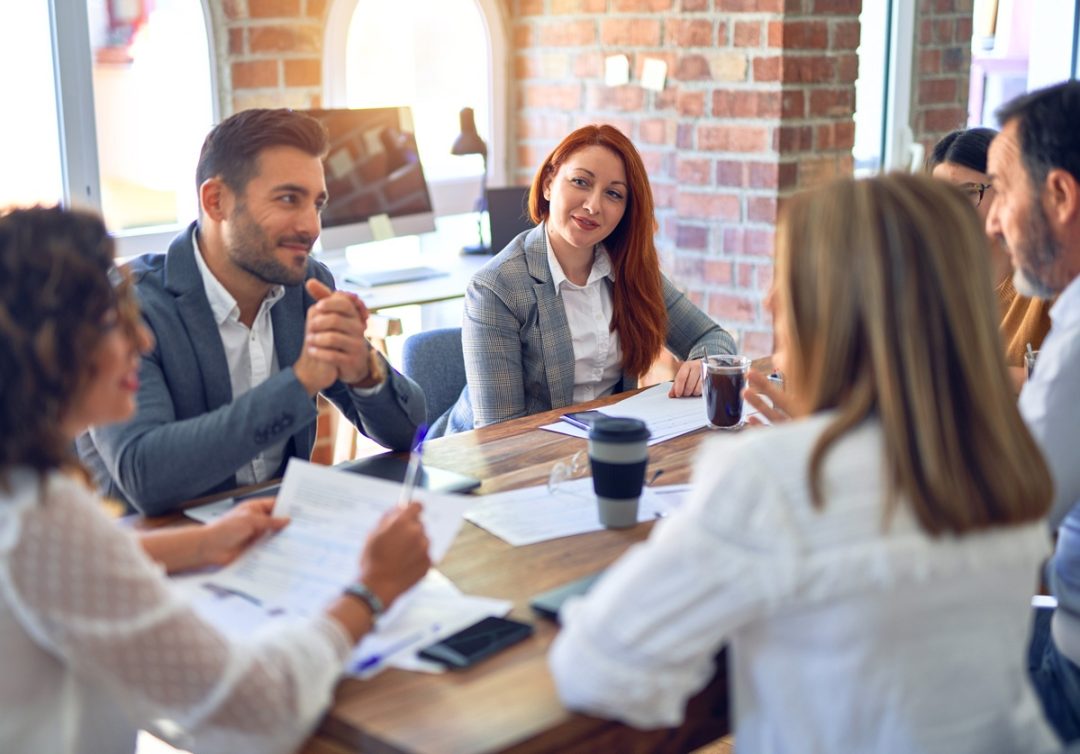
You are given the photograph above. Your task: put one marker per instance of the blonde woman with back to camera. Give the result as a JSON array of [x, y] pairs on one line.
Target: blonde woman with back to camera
[[869, 564], [94, 642]]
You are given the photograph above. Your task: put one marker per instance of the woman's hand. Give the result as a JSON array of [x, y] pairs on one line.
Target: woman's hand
[[224, 539], [687, 380], [396, 553], [768, 398]]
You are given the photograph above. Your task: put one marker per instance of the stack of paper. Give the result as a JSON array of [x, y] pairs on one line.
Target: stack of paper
[[665, 417]]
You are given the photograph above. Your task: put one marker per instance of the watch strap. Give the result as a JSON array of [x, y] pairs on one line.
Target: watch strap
[[368, 597]]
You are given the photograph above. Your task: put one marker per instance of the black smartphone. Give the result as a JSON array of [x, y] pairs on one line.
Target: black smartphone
[[582, 419], [470, 645]]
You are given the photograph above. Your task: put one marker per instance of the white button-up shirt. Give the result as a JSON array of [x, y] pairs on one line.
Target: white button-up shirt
[[597, 354], [249, 353]]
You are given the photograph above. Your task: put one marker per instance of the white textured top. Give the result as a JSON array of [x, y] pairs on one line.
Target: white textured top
[[250, 354], [843, 635], [597, 352], [95, 644]]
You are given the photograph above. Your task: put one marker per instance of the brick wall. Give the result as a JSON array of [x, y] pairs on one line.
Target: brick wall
[[758, 103], [942, 63], [270, 53]]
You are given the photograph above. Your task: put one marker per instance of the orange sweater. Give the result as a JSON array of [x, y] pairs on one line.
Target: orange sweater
[[1023, 320]]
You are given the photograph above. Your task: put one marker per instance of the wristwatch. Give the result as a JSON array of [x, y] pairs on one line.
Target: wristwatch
[[368, 597]]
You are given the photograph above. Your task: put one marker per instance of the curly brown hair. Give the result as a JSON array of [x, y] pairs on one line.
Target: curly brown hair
[[56, 289]]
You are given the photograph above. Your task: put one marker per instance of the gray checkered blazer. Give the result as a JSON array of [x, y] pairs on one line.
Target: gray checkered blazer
[[519, 354]]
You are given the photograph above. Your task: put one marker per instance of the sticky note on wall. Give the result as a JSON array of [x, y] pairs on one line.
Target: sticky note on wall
[[616, 70]]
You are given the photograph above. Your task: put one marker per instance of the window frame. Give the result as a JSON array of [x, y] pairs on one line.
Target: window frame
[[73, 70], [450, 196]]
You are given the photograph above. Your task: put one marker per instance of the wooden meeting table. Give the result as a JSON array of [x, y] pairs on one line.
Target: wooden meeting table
[[508, 702]]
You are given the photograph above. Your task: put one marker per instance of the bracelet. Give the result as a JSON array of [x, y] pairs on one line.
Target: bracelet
[[368, 597]]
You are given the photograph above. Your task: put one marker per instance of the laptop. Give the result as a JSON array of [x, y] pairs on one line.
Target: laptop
[[376, 278], [547, 604], [508, 214]]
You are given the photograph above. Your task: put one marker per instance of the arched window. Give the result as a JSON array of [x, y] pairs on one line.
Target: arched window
[[443, 55]]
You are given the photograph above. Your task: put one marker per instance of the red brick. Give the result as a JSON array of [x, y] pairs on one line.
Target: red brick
[[831, 102], [761, 209], [730, 173], [530, 8], [741, 103], [642, 6], [963, 29], [744, 275], [528, 67], [554, 97], [767, 69], [529, 155], [943, 31], [236, 41], [749, 6], [273, 8], [559, 7], [690, 104], [758, 242], [838, 7], [636, 32], [718, 272], [756, 343], [937, 91], [691, 6], [721, 34], [732, 138], [762, 175], [684, 136], [523, 36], [688, 267], [589, 65], [707, 206], [233, 9], [847, 68], [693, 33], [664, 195], [810, 69], [799, 35], [693, 237], [764, 278], [747, 34], [944, 120], [697, 172], [845, 35], [664, 101], [295, 38], [730, 306], [625, 98], [693, 68], [255, 74], [303, 72], [316, 9], [787, 175], [944, 6], [653, 131], [548, 127], [844, 133], [955, 59], [568, 34], [793, 139], [929, 61], [793, 104]]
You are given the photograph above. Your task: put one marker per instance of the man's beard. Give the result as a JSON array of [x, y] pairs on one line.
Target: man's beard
[[253, 251], [1035, 257]]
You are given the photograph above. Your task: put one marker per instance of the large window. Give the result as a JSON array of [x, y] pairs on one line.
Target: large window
[[29, 136]]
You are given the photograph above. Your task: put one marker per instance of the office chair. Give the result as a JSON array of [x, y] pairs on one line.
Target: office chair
[[434, 360]]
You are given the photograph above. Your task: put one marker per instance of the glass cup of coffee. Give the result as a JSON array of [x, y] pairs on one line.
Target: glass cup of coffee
[[723, 378], [618, 454]]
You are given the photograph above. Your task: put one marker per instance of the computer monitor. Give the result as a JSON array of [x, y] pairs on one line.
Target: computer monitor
[[372, 168]]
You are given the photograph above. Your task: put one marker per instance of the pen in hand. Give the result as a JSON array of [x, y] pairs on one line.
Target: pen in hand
[[412, 472]]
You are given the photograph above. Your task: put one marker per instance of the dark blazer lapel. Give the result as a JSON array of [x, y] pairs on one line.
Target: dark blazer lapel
[[183, 280], [288, 317], [556, 341]]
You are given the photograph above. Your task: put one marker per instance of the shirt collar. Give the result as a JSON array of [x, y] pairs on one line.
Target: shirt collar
[[222, 303], [1066, 309], [601, 267]]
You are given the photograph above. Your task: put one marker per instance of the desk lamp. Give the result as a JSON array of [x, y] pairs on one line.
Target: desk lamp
[[469, 142]]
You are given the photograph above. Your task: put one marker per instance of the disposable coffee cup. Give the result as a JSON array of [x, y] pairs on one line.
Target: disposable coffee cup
[[618, 454]]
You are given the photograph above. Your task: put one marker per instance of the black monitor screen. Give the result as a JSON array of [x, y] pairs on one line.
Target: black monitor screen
[[373, 168]]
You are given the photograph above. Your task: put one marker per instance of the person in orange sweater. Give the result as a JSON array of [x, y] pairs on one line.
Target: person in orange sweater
[[960, 159]]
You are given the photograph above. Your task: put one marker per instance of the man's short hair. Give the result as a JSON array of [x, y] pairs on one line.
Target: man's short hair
[[1048, 126], [231, 149]]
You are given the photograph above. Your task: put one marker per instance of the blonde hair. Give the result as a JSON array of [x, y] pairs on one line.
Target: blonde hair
[[885, 293]]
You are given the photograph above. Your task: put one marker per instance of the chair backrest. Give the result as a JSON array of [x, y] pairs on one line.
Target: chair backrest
[[434, 360]]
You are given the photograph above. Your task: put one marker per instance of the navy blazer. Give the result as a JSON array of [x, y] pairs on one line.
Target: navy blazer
[[189, 435]]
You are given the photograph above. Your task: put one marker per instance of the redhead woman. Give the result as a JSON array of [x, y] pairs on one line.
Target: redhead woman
[[577, 307], [94, 642], [870, 563]]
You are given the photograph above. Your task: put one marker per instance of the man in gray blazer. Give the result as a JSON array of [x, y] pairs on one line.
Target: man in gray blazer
[[247, 331]]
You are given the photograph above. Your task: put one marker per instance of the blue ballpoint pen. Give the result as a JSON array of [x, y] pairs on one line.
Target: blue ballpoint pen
[[375, 660], [412, 472]]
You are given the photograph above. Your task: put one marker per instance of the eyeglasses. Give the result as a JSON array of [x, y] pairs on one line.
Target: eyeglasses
[[564, 471], [975, 192]]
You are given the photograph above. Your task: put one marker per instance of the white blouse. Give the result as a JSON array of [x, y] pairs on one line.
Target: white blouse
[[844, 634], [95, 643]]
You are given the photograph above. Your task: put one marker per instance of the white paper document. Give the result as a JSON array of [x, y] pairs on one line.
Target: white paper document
[[305, 565], [530, 515], [665, 417]]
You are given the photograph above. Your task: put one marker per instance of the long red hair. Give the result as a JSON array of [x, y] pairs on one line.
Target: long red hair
[[639, 316]]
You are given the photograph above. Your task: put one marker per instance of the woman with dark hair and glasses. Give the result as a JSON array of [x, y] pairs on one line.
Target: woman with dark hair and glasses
[[960, 158], [95, 644]]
